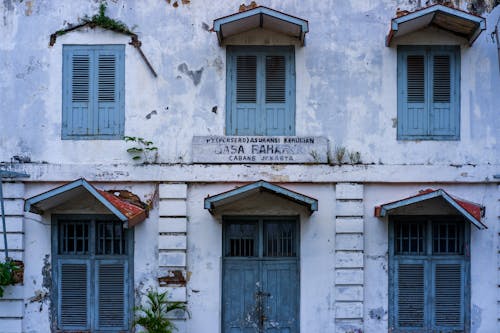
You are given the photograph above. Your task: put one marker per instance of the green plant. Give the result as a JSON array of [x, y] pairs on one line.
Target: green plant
[[106, 22], [142, 149], [7, 270], [154, 316]]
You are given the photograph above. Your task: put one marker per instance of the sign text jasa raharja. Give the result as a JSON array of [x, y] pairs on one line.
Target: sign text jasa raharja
[[258, 149]]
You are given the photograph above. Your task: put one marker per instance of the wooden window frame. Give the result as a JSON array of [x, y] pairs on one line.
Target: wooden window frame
[[429, 260], [93, 260], [261, 126], [428, 51], [92, 125]]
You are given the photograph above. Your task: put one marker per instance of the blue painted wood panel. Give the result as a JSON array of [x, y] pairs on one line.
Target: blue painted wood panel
[[260, 292], [260, 93], [428, 93], [93, 92]]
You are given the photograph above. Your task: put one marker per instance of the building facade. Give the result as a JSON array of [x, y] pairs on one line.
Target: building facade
[[286, 166]]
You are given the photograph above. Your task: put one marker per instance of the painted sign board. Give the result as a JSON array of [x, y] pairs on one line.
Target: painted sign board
[[260, 149]]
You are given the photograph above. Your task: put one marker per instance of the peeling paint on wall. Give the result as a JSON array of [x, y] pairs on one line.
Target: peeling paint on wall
[[476, 316], [377, 313], [195, 76]]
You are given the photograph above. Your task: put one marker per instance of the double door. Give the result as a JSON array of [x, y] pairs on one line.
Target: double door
[[260, 275]]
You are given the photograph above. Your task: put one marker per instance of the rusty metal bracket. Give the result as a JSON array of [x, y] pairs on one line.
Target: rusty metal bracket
[[135, 42]]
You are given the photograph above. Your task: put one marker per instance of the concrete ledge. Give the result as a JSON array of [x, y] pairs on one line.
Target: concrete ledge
[[11, 308], [172, 224], [348, 310], [11, 325], [349, 225], [172, 259], [349, 191], [173, 207], [349, 242], [13, 190], [345, 259], [173, 191], [172, 242], [13, 224], [175, 294], [349, 293], [14, 206], [349, 276], [349, 208], [14, 242]]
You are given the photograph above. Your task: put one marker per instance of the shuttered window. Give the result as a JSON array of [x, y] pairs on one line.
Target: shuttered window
[[92, 273], [428, 281], [93, 92], [260, 91], [428, 93]]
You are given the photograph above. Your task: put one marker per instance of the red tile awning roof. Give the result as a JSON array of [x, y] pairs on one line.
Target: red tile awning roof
[[127, 212], [471, 211], [456, 21]]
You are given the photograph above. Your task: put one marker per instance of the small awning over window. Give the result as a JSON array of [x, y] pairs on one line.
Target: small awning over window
[[127, 212], [215, 201], [420, 203], [453, 20], [261, 17]]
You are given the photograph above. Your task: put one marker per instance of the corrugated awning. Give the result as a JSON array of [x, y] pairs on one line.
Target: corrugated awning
[[261, 17], [453, 20], [215, 201], [471, 211], [127, 212]]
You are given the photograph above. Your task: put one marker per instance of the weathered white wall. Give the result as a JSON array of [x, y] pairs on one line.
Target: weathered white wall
[[346, 80], [346, 91]]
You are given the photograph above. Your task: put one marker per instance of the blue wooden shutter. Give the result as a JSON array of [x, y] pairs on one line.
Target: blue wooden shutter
[[412, 76], [444, 114], [410, 294], [246, 107], [77, 94], [448, 295], [74, 294], [276, 112], [109, 111], [111, 294]]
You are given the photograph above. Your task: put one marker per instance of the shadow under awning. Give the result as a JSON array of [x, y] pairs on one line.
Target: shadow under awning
[[243, 192], [127, 212], [453, 20], [417, 204]]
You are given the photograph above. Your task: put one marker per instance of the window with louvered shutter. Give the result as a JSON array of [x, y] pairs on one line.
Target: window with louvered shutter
[[448, 295], [93, 86], [92, 255], [411, 295], [260, 91], [111, 290], [74, 294], [428, 97], [428, 274]]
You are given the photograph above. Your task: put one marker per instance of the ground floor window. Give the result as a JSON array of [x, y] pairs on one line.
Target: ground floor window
[[429, 263], [92, 273]]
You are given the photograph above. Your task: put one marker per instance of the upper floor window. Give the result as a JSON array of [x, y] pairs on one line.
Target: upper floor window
[[93, 92], [428, 92], [260, 90]]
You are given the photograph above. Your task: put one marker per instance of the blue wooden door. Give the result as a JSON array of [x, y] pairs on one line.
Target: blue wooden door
[[260, 276]]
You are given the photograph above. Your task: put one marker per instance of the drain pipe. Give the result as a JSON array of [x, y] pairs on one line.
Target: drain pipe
[[7, 174]]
